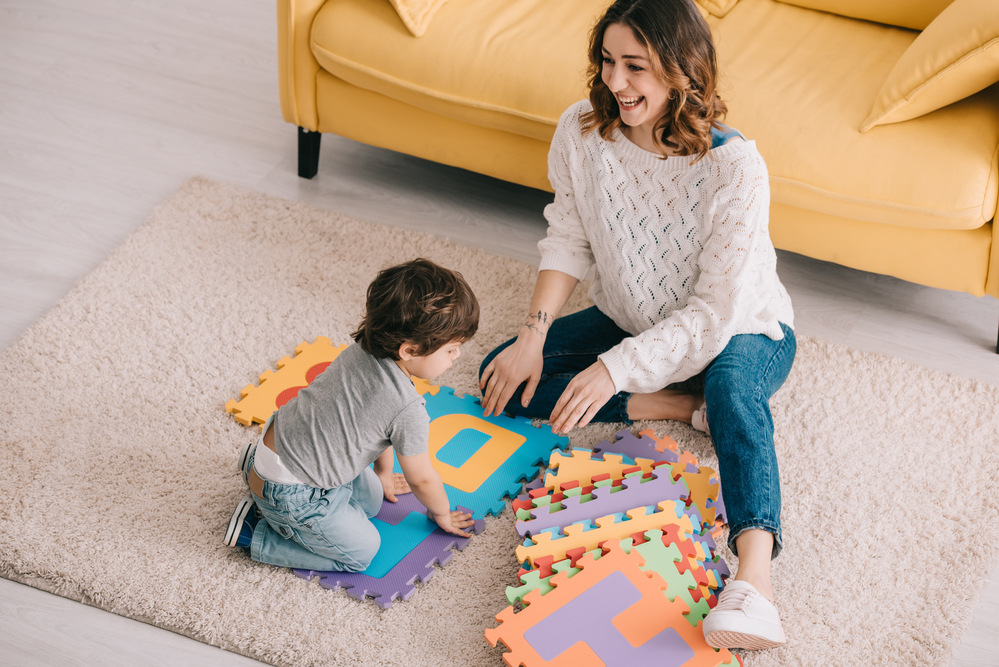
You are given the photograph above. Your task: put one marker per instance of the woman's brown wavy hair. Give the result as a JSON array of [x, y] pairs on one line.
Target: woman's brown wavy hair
[[683, 57]]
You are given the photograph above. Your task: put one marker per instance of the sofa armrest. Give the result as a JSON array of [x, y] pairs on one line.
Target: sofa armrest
[[297, 67]]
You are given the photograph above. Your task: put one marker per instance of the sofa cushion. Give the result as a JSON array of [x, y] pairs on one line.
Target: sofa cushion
[[417, 14], [718, 8], [514, 65], [914, 14], [956, 56], [800, 82]]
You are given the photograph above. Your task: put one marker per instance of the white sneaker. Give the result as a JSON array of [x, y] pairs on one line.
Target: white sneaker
[[700, 419], [744, 618]]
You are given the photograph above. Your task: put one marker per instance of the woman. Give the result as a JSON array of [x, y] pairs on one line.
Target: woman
[[691, 322]]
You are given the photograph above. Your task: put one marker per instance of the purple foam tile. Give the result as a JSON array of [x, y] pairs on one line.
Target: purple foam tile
[[719, 506], [394, 513], [669, 456], [400, 582], [589, 618], [705, 538], [631, 445], [534, 484], [720, 568], [634, 447]]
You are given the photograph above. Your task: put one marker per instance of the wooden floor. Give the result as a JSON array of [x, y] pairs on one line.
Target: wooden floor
[[108, 106]]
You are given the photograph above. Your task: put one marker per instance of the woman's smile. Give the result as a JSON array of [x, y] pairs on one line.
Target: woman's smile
[[629, 103]]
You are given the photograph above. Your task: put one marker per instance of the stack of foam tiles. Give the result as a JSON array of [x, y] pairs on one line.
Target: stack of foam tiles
[[618, 560]]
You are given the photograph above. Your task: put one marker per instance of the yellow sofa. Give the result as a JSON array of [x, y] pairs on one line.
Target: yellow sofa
[[484, 84]]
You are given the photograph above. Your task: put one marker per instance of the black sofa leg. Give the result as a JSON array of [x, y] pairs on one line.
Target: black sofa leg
[[308, 152]]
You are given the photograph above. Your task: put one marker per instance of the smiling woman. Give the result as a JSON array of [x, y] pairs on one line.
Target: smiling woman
[[690, 318]]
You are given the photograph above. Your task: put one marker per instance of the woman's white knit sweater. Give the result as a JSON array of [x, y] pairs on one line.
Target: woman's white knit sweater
[[682, 250]]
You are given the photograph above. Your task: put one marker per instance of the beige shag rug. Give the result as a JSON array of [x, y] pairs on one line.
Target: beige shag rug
[[118, 459]]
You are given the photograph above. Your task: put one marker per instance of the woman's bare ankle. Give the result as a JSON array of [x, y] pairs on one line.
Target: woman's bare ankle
[[755, 548], [664, 404]]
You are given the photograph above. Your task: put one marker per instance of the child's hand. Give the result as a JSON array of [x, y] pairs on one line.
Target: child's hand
[[393, 483], [453, 522]]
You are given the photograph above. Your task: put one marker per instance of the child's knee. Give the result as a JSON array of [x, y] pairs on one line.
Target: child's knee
[[368, 493], [366, 549]]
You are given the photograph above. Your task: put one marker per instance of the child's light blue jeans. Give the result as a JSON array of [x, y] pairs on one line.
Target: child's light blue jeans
[[737, 387], [327, 530]]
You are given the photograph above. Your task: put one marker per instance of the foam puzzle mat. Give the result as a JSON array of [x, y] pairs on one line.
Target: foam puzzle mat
[[612, 611], [598, 528], [641, 459], [482, 461]]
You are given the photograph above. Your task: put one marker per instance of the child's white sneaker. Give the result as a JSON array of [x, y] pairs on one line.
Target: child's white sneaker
[[744, 618]]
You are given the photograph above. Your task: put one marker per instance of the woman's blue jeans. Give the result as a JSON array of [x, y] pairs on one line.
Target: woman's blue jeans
[[326, 530], [737, 386]]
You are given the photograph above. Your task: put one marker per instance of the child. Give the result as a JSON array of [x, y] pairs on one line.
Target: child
[[309, 473], [671, 208]]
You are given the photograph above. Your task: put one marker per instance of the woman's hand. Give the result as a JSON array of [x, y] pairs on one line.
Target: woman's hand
[[509, 369], [583, 398], [523, 360]]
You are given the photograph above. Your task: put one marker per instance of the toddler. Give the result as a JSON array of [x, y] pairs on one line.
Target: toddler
[[310, 473]]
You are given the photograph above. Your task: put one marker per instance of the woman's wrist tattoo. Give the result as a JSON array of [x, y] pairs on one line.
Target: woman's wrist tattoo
[[538, 322]]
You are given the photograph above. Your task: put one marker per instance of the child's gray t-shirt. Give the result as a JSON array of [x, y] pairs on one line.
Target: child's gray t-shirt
[[347, 416]]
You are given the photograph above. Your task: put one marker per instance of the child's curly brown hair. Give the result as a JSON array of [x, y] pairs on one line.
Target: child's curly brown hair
[[420, 303]]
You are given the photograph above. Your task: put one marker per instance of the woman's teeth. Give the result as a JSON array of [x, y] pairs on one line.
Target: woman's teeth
[[630, 102]]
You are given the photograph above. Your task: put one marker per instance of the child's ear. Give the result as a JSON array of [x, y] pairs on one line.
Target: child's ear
[[407, 351]]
